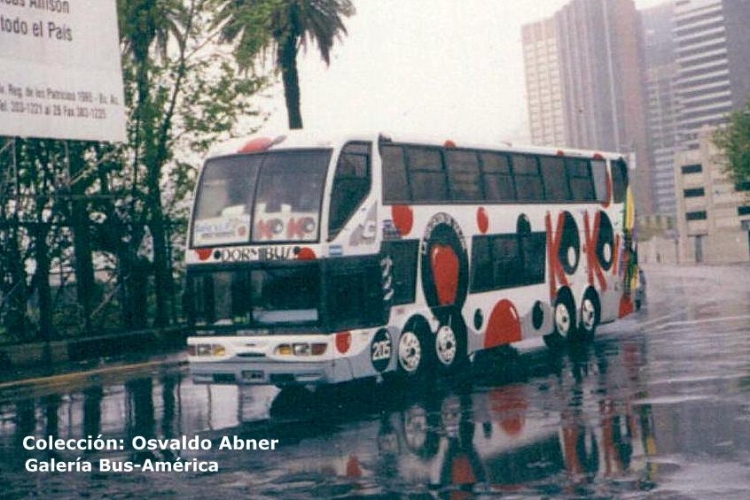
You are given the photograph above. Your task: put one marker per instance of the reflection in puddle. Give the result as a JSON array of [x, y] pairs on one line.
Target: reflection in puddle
[[585, 424]]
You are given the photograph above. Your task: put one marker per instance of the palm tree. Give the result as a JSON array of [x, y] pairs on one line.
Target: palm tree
[[147, 27], [283, 26]]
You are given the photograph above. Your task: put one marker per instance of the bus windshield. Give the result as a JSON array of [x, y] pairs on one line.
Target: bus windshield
[[259, 297], [259, 198]]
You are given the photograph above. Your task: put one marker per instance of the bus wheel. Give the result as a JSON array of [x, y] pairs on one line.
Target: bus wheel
[[589, 316], [412, 353], [564, 317], [450, 347], [446, 345]]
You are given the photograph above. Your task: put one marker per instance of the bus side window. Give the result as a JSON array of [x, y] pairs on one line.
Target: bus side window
[[527, 178], [619, 180], [351, 184], [395, 185], [404, 258], [354, 292], [579, 178], [556, 186], [427, 176], [599, 172], [463, 174], [496, 177]]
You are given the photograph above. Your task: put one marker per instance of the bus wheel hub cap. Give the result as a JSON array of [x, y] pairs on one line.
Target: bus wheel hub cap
[[562, 319], [445, 345], [588, 314], [409, 351]]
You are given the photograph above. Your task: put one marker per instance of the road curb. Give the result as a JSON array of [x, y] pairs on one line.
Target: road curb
[[56, 352], [94, 376]]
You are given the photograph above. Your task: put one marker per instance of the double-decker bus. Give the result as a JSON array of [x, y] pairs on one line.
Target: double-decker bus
[[319, 259]]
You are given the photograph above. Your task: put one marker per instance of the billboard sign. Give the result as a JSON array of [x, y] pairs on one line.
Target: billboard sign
[[60, 73]]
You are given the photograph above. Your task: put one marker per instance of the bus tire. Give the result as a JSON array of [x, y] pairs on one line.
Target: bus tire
[[563, 320], [413, 351], [589, 316], [450, 347]]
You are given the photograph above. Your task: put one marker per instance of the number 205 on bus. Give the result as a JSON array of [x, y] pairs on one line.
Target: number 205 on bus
[[323, 259]]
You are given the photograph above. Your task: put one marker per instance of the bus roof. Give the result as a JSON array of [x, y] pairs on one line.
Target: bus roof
[[304, 139]]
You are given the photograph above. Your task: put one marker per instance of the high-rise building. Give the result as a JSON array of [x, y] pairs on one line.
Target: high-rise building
[[543, 87], [713, 78], [660, 72], [598, 64]]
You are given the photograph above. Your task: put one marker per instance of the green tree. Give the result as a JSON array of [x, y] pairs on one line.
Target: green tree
[[283, 26], [64, 202], [172, 82], [33, 238], [734, 142]]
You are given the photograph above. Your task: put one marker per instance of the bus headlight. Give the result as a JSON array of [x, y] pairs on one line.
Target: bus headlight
[[301, 349], [283, 349], [206, 350]]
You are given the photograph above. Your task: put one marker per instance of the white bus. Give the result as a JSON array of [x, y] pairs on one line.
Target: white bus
[[317, 260]]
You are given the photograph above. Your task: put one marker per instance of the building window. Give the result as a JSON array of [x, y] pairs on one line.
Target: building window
[[742, 186], [696, 215], [694, 192], [743, 210], [692, 169]]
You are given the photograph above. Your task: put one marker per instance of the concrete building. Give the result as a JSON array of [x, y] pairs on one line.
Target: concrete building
[[714, 214], [598, 65], [713, 79], [660, 72], [543, 85], [712, 39]]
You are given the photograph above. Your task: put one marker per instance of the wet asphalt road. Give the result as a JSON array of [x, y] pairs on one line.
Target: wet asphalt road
[[658, 407]]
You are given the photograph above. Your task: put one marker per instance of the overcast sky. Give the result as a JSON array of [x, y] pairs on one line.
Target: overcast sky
[[440, 67]]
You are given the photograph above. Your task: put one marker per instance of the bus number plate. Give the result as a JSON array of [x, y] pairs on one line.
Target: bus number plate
[[253, 375]]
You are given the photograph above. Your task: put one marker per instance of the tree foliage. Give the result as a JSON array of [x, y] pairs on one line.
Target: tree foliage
[[283, 27], [734, 142], [109, 219]]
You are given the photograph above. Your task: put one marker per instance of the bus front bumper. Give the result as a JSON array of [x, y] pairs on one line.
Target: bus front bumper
[[270, 372]]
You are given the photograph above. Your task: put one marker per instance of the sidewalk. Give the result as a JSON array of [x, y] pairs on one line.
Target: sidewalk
[[77, 362], [737, 273], [40, 353], [40, 380]]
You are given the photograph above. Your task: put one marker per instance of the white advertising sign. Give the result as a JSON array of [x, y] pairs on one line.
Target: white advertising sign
[[60, 74]]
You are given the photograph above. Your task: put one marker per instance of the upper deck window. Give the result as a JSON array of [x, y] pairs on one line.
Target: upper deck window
[[423, 174], [426, 174], [619, 180], [527, 177], [351, 185], [395, 183], [497, 177], [260, 198], [555, 181], [463, 174]]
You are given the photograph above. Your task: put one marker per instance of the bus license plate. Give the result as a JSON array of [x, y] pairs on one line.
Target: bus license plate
[[253, 375]]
